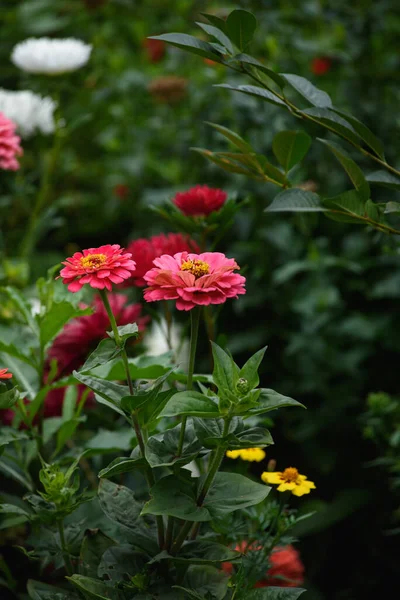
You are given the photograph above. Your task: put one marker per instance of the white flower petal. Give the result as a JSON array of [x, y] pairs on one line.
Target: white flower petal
[[30, 112], [50, 56]]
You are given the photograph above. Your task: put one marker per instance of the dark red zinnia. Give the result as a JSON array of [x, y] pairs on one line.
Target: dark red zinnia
[[145, 250], [200, 200]]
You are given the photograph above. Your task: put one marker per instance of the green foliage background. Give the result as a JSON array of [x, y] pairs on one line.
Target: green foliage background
[[323, 295]]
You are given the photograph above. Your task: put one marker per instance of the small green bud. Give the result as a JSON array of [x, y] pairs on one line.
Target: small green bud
[[242, 386]]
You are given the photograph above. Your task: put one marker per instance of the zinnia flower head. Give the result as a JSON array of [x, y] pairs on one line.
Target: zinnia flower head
[[289, 480], [194, 279], [99, 267], [200, 200], [250, 454], [286, 568], [145, 250], [50, 56], [321, 65], [30, 112], [9, 145], [82, 335], [4, 374]]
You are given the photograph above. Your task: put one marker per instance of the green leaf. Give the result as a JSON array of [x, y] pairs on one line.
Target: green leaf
[[392, 207], [240, 28], [333, 122], [12, 350], [66, 432], [109, 391], [226, 372], [311, 93], [271, 400], [190, 44], [119, 503], [249, 60], [254, 437], [206, 582], [122, 465], [352, 169], [8, 435], [346, 208], [231, 491], [42, 591], [161, 449], [105, 351], [94, 544], [119, 561], [274, 174], [253, 90], [93, 588], [385, 179], [295, 200], [14, 471], [55, 319], [249, 371], [232, 137], [191, 404], [126, 331], [274, 593], [219, 35], [216, 21], [176, 497], [23, 306], [203, 552], [224, 163], [9, 398], [209, 431], [11, 509], [290, 147], [26, 376], [365, 134]]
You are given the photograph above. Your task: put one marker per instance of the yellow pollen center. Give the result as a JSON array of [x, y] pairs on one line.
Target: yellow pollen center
[[196, 267], [290, 475], [93, 261]]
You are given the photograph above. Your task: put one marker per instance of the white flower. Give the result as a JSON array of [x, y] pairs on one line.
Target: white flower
[[50, 56], [29, 111]]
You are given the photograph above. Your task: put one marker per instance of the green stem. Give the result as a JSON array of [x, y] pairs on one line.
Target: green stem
[[65, 553], [136, 425], [168, 322], [169, 534], [213, 469], [194, 334]]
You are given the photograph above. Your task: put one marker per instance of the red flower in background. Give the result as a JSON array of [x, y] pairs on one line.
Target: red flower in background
[[4, 374], [321, 65], [9, 145], [99, 267], [155, 49], [121, 191], [81, 335], [145, 250], [200, 200], [286, 569]]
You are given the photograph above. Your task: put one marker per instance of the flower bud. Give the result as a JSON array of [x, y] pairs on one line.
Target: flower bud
[[242, 386]]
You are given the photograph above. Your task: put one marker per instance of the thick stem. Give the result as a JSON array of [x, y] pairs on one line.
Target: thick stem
[[67, 559], [194, 334], [136, 425], [169, 534]]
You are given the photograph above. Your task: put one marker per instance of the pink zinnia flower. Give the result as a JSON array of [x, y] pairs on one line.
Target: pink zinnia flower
[[194, 279], [9, 145], [82, 335], [99, 267], [200, 200], [4, 374], [144, 251]]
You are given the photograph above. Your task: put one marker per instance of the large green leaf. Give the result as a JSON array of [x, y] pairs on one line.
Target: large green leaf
[[347, 207], [365, 134], [271, 400], [119, 561], [26, 376], [23, 306], [110, 392], [253, 90], [219, 35], [254, 437], [122, 465], [12, 350], [240, 28], [161, 449], [273, 593], [385, 179], [290, 147], [190, 44], [253, 62], [206, 581], [210, 431], [119, 503], [333, 122], [308, 90], [231, 491], [203, 552], [8, 435], [352, 169], [42, 591], [105, 351], [175, 497], [226, 372], [55, 319], [93, 588], [191, 404], [94, 544], [295, 200]]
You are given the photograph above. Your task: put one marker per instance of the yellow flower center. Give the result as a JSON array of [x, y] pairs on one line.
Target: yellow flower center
[[196, 267], [93, 261], [290, 475]]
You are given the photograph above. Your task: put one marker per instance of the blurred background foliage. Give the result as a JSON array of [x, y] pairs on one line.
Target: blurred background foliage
[[323, 295]]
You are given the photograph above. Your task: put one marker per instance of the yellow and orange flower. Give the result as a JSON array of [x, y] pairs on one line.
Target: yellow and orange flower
[[289, 480]]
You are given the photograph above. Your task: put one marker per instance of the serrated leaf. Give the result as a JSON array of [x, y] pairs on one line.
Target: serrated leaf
[[290, 147], [240, 27], [253, 90], [309, 91], [352, 169], [190, 44], [296, 200]]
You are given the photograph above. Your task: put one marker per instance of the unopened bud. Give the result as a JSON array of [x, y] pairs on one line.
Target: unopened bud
[[271, 466], [242, 386]]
